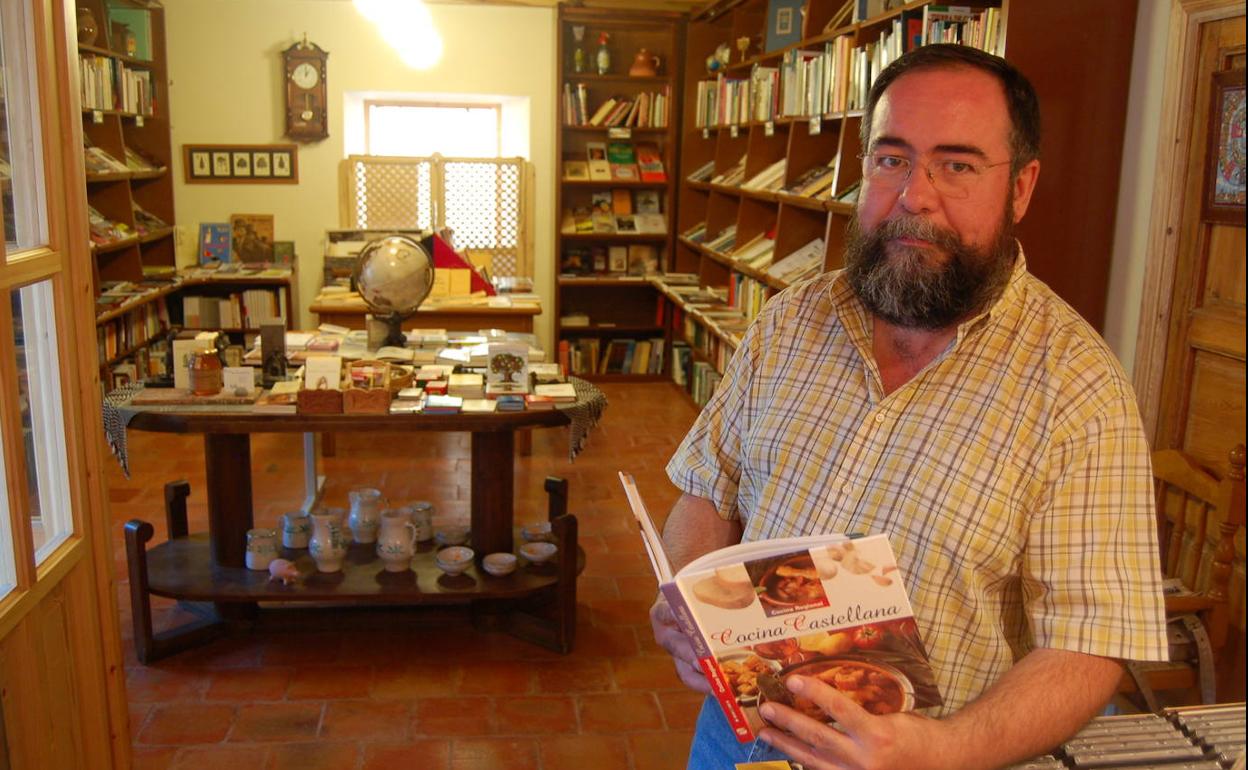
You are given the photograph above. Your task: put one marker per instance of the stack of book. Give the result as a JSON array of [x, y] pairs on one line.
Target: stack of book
[[803, 263], [812, 182], [724, 241], [769, 178]]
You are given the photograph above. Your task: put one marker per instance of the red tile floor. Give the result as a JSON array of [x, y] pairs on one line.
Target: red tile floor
[[439, 695]]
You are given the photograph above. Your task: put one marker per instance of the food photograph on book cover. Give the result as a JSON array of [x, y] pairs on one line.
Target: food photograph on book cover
[[837, 612]]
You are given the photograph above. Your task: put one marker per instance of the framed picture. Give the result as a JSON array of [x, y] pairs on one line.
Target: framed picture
[[1223, 201], [251, 237], [784, 24], [240, 163]]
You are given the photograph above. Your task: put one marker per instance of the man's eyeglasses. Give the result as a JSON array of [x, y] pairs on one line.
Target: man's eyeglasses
[[952, 177]]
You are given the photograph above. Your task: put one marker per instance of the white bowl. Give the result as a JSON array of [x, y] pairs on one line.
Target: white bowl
[[454, 560], [536, 533], [499, 564], [538, 552], [451, 535]]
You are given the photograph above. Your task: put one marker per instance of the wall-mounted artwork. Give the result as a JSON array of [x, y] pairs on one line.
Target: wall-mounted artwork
[[1224, 181], [241, 163]]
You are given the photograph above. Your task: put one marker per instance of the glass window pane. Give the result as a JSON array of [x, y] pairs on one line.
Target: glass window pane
[[39, 397], [8, 568], [21, 154], [417, 131]]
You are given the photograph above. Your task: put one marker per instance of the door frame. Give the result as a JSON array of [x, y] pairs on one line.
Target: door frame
[[1173, 147]]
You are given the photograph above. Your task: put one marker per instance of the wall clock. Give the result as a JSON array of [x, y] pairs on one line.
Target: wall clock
[[303, 66]]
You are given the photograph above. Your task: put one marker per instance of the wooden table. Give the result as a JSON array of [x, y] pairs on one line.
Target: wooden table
[[455, 317], [212, 567]]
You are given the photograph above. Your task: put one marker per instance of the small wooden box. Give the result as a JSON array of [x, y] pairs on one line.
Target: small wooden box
[[322, 401], [371, 399]]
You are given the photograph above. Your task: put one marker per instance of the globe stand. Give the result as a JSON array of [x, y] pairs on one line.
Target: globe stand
[[394, 330]]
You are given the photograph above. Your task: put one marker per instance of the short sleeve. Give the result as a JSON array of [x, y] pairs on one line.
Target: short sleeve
[[1091, 572], [707, 463]]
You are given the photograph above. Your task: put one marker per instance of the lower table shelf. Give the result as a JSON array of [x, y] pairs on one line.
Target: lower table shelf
[[536, 603]]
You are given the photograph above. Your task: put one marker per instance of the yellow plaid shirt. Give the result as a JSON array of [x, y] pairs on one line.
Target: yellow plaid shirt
[[1012, 474]]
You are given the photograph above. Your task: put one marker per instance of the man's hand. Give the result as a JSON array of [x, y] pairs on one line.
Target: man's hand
[[865, 741], [669, 636]]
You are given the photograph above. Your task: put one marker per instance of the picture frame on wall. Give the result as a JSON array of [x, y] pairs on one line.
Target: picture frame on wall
[[1224, 187], [240, 163]]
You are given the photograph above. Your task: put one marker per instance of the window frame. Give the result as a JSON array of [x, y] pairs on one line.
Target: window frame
[[497, 108]]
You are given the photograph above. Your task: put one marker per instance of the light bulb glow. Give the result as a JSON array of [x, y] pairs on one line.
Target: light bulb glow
[[407, 26]]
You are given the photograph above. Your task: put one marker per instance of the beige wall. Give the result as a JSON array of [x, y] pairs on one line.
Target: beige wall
[[1135, 192], [225, 67]]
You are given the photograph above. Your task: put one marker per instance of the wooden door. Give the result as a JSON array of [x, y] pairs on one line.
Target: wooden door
[[61, 675], [1190, 371]]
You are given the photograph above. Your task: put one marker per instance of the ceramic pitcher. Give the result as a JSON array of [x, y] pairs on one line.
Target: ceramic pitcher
[[365, 515], [329, 544], [396, 540]]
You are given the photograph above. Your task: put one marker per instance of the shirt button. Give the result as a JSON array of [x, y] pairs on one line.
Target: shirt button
[[879, 417]]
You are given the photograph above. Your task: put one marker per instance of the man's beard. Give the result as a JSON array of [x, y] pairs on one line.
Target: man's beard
[[906, 291]]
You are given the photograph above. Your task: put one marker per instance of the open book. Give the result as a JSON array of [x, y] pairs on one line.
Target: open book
[[828, 606]]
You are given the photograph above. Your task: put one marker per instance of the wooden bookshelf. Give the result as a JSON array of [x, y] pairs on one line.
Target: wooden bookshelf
[[620, 308], [1067, 233]]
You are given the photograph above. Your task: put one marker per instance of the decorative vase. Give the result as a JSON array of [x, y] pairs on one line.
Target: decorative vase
[[396, 541], [365, 515], [422, 519], [645, 65], [261, 548], [88, 30], [296, 529], [328, 545]]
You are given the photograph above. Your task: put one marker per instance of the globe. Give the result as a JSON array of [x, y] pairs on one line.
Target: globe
[[393, 276]]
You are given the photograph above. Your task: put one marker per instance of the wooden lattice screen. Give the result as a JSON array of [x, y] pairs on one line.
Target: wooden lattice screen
[[485, 201]]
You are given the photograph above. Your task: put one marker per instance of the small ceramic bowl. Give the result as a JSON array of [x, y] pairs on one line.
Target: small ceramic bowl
[[454, 560], [538, 552], [499, 564], [451, 535], [537, 532]]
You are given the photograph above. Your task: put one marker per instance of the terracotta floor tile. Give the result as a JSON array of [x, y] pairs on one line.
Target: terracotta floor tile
[[296, 649], [271, 722], [591, 675], [365, 719], [494, 754], [493, 677], [646, 672], [137, 716], [535, 715], [414, 681], [680, 708], [619, 713], [182, 724], [320, 755], [223, 757], [248, 685], [148, 758], [153, 685], [660, 751], [416, 755], [453, 716], [330, 682], [579, 752]]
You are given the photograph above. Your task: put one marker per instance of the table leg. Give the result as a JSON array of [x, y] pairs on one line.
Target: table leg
[[492, 482], [227, 457]]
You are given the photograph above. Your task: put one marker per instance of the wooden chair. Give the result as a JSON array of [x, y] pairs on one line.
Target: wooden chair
[[1194, 509]]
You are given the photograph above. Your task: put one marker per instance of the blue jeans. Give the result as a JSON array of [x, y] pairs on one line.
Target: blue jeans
[[716, 748]]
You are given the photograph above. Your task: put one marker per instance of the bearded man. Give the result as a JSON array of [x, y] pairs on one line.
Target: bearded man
[[937, 392]]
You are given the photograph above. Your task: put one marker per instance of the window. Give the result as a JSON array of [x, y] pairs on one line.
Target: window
[[21, 164], [416, 129]]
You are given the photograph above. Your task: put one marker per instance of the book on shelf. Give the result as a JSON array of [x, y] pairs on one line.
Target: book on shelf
[[604, 223], [647, 202], [619, 202], [596, 155], [100, 162], [478, 406], [650, 224], [650, 162], [559, 392], [702, 173], [802, 263], [724, 241], [442, 404], [643, 259], [696, 234], [575, 171], [617, 259], [850, 195], [767, 177], [626, 225], [827, 606], [603, 110], [622, 161], [811, 182]]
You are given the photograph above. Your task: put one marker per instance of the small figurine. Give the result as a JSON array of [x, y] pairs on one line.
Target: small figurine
[[718, 60], [283, 570]]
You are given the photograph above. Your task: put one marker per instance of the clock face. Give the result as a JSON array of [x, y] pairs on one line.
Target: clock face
[[305, 75]]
